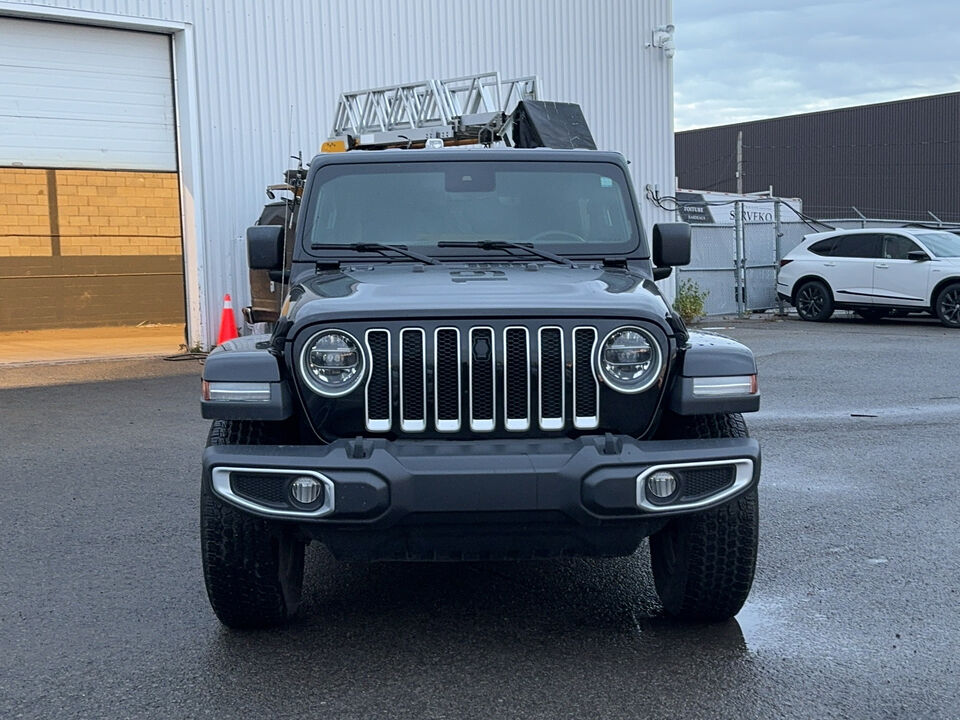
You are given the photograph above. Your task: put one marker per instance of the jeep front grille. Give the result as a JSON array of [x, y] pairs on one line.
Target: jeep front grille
[[516, 378], [586, 390], [379, 382], [413, 380], [481, 379], [446, 379], [551, 389]]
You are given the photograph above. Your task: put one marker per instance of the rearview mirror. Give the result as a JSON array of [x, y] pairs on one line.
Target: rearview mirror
[[671, 244], [265, 247], [918, 255]]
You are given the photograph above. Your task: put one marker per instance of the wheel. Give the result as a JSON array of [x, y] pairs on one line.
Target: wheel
[[813, 301], [948, 305], [253, 568], [703, 564], [872, 314]]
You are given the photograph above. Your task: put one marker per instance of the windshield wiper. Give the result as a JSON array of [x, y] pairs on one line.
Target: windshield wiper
[[504, 245], [381, 248]]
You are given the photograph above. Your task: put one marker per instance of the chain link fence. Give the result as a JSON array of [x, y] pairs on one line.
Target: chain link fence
[[736, 264]]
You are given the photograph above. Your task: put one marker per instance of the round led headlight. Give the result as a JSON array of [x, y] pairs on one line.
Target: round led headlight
[[332, 363], [629, 360]]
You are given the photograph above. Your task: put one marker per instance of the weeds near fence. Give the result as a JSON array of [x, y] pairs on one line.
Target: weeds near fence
[[690, 301]]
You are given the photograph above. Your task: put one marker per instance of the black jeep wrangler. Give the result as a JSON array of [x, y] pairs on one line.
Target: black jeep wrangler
[[473, 362]]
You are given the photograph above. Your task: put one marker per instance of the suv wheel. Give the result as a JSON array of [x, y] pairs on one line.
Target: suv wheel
[[948, 305], [703, 564], [813, 301], [253, 568]]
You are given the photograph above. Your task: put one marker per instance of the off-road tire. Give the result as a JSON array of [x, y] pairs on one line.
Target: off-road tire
[[947, 305], [813, 301], [253, 568], [703, 564]]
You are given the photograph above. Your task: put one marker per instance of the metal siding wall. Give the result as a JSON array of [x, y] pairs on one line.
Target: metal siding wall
[[895, 159], [262, 65]]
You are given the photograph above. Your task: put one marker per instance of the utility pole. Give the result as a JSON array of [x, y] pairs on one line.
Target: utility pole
[[739, 162]]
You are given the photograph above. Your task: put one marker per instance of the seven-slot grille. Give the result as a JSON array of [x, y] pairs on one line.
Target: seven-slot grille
[[481, 379]]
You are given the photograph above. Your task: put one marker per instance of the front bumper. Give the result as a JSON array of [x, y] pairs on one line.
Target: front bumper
[[378, 484]]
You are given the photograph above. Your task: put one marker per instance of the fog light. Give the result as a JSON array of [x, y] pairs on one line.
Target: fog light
[[661, 484], [306, 490]]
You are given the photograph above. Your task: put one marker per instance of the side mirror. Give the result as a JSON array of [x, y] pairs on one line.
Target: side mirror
[[918, 255], [265, 247], [662, 273], [671, 244]]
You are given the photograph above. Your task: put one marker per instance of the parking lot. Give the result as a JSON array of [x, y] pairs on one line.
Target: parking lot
[[854, 612]]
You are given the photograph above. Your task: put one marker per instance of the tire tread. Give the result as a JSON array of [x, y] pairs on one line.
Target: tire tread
[[242, 553], [704, 564]]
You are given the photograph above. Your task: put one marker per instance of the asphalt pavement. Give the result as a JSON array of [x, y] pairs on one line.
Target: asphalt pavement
[[855, 611]]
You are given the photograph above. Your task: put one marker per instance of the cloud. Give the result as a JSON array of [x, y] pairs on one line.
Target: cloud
[[735, 62]]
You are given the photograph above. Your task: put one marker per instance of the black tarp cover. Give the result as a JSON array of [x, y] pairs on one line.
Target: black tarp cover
[[538, 123]]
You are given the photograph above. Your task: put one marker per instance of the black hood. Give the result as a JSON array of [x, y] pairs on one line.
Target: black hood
[[399, 291]]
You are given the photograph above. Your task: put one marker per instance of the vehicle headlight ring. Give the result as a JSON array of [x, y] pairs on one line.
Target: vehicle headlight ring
[[629, 359], [332, 363]]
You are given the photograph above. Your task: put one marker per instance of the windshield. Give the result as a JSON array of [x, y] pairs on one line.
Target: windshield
[[568, 207], [941, 244]]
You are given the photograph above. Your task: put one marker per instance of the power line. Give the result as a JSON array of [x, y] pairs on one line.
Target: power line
[[677, 204]]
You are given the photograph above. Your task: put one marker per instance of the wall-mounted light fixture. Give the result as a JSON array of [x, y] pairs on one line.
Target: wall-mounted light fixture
[[663, 38]]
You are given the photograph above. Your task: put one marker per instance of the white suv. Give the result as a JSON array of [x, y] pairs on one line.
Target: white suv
[[873, 272]]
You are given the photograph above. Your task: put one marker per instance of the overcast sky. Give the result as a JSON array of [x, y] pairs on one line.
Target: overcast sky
[[743, 60]]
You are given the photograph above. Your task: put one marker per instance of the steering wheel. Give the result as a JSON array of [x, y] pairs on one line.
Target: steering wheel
[[548, 233]]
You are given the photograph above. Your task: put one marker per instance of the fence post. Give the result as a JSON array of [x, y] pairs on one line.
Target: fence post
[[778, 233], [739, 260], [863, 218]]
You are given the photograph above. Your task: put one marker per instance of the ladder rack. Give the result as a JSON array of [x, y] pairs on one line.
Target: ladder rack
[[458, 109]]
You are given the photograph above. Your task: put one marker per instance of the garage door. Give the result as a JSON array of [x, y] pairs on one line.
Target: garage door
[[89, 193]]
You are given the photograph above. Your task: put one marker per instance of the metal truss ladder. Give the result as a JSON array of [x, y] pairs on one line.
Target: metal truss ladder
[[458, 109]]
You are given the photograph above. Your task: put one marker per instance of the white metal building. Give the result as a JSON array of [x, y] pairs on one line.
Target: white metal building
[[223, 91]]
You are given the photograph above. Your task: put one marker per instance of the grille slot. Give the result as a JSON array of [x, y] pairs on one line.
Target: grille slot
[[265, 489], [550, 375], [586, 389], [379, 390], [432, 394], [699, 482], [483, 401], [446, 377], [516, 379], [413, 383]]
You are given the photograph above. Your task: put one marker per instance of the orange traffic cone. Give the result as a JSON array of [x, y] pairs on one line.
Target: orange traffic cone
[[228, 324]]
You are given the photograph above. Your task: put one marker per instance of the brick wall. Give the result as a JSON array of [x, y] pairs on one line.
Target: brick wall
[[118, 213], [90, 212], [24, 213], [89, 247]]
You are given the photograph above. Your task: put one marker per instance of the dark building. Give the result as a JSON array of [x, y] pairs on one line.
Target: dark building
[[890, 160]]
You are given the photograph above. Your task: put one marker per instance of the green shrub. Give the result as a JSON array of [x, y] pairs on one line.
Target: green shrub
[[690, 300]]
